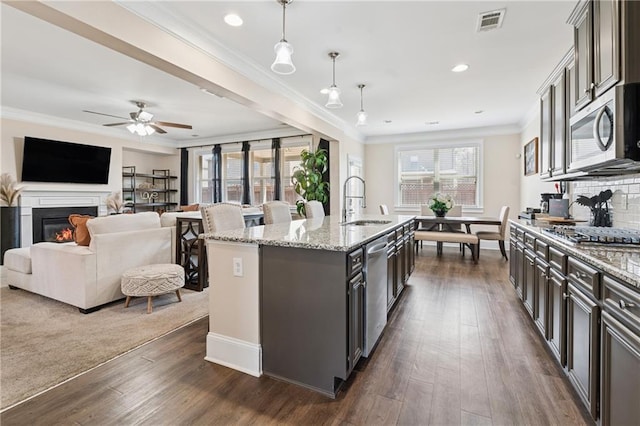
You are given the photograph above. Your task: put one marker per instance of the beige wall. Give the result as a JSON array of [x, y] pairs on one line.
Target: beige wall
[[501, 185], [531, 186], [12, 142]]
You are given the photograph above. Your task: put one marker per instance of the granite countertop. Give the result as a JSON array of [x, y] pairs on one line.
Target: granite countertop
[[622, 262], [320, 234]]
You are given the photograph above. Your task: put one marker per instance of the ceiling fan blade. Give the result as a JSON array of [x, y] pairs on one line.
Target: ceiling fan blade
[[117, 124], [157, 129], [181, 126], [101, 113]]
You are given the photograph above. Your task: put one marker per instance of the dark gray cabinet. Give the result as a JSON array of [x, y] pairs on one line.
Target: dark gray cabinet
[[546, 133], [541, 291], [356, 319], [620, 363], [583, 349], [391, 270], [582, 22], [557, 316], [606, 45], [528, 282], [559, 120]]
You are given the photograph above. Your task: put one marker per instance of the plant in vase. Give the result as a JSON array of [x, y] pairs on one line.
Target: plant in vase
[[307, 178], [599, 206], [440, 203], [9, 214]]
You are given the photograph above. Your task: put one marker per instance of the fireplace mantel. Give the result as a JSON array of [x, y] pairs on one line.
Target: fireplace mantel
[[39, 199]]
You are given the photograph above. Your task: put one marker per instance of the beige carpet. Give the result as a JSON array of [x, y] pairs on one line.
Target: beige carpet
[[45, 342]]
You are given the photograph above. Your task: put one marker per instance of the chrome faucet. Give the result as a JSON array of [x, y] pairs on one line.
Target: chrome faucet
[[363, 197]]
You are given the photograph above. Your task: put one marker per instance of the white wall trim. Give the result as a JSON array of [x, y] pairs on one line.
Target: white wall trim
[[477, 132], [233, 353]]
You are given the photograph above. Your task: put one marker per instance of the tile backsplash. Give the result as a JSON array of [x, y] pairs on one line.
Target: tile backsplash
[[624, 205]]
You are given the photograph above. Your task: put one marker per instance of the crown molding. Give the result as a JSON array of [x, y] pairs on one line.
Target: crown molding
[[64, 123], [528, 118], [444, 135]]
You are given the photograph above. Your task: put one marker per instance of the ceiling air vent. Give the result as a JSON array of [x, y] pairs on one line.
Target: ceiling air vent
[[490, 20]]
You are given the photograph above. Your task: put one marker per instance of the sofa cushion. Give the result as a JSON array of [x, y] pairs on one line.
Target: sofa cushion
[[169, 218], [81, 233], [123, 223], [18, 259]]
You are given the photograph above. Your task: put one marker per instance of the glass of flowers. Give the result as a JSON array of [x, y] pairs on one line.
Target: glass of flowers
[[441, 203]]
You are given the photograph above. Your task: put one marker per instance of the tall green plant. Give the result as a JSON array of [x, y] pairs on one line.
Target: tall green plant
[[307, 178]]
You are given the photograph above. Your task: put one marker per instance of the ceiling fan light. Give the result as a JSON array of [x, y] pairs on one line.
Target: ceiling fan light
[[145, 116], [333, 100], [362, 118], [283, 64], [132, 128], [149, 130]]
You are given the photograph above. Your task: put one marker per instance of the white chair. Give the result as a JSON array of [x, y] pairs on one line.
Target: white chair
[[222, 217], [276, 212], [384, 209], [497, 236], [313, 209]]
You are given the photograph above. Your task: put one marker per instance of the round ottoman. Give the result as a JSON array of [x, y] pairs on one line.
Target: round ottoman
[[152, 280]]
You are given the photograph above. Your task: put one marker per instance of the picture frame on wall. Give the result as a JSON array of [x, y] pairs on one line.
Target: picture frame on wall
[[531, 157]]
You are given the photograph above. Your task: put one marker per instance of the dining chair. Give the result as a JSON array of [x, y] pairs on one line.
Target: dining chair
[[222, 217], [313, 209], [499, 235], [384, 209], [276, 212]]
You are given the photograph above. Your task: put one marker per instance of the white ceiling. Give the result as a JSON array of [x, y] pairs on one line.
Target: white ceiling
[[402, 51]]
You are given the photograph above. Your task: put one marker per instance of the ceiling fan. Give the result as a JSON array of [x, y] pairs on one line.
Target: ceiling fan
[[140, 121]]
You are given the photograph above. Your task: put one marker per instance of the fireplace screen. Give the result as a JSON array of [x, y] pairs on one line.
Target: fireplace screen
[[52, 223]]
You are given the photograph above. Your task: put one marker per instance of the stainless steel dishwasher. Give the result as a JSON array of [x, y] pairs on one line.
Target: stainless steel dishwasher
[[375, 292]]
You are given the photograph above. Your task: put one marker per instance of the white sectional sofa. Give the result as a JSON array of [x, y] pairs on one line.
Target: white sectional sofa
[[89, 276]]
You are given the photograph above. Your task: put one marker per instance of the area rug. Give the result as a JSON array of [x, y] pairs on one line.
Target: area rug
[[44, 342]]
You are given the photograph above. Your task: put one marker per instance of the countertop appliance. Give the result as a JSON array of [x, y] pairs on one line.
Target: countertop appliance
[[594, 235], [605, 135], [375, 292]]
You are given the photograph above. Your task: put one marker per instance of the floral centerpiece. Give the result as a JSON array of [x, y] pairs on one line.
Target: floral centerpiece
[[440, 203]]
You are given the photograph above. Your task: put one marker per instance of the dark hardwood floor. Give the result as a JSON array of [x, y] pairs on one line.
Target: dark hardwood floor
[[458, 349]]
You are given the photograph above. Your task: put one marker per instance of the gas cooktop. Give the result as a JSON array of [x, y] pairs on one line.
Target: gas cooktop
[[594, 235]]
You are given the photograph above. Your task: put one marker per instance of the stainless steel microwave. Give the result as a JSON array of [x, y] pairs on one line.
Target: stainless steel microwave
[[604, 137]]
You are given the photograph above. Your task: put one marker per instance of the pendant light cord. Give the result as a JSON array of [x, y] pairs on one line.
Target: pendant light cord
[[334, 70], [361, 107], [284, 8]]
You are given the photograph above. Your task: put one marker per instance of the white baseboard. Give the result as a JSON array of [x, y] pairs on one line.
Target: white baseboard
[[233, 353]]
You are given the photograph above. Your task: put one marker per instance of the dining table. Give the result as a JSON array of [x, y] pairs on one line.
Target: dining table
[[452, 224]]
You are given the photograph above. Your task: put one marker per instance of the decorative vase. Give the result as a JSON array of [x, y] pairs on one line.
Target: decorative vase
[[440, 213], [10, 229]]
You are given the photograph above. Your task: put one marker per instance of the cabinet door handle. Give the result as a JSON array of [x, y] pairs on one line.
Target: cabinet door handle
[[581, 275], [565, 296], [587, 90], [624, 305], [531, 263], [593, 86], [544, 275]]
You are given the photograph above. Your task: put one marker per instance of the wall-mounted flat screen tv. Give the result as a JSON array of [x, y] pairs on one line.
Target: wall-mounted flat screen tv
[[47, 160]]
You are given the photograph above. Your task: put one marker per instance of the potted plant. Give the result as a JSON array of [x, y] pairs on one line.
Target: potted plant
[[307, 178], [440, 204], [599, 206], [9, 214]]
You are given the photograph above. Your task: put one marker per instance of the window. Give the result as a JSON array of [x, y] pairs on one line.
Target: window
[[451, 169], [205, 186], [232, 176], [261, 173], [291, 156]]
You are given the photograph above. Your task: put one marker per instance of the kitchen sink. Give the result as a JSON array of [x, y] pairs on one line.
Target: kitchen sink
[[365, 222]]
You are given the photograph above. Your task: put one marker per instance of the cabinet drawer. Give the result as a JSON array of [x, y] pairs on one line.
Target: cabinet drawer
[[557, 260], [542, 249], [529, 241], [622, 302], [354, 261], [391, 238], [584, 277], [512, 231], [519, 234]]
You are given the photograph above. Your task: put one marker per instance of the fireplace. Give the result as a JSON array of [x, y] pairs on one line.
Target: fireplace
[[52, 223]]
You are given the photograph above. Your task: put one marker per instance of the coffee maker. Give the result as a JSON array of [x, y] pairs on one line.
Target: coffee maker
[[544, 200]]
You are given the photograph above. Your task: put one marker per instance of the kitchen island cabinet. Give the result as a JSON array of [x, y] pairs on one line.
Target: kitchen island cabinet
[[308, 293], [589, 317]]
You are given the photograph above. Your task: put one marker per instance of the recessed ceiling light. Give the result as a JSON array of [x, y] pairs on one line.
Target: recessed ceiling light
[[233, 20], [432, 123], [195, 136], [387, 121], [460, 68], [478, 111]]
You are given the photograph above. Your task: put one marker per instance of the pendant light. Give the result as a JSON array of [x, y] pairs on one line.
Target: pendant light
[[282, 63], [362, 115], [333, 100]]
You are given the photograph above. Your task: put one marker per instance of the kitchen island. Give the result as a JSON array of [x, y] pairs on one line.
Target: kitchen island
[[287, 300]]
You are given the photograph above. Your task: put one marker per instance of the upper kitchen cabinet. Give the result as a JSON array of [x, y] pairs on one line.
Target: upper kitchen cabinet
[[554, 116], [605, 39]]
